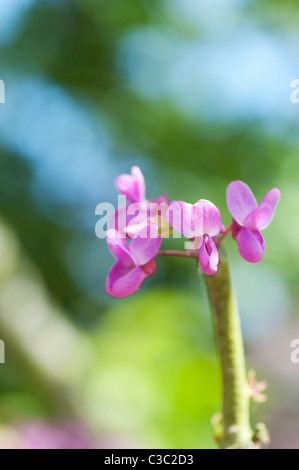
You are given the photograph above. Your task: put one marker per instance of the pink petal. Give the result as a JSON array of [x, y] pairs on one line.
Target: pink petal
[[240, 200], [161, 199], [272, 198], [119, 247], [123, 280], [251, 245], [262, 216], [127, 218], [208, 256], [132, 186], [121, 219], [180, 215], [150, 267], [139, 178], [235, 229], [138, 214], [126, 184], [158, 208], [147, 229], [207, 218], [138, 230], [145, 249], [197, 242]]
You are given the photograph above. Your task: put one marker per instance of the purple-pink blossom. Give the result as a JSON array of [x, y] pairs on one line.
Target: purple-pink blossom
[[135, 262], [139, 208], [144, 223], [249, 218], [132, 186], [201, 223]]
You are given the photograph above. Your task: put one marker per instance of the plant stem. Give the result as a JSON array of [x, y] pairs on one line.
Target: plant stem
[[223, 235], [236, 430]]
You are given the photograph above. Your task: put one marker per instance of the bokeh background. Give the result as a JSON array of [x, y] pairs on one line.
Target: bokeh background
[[197, 93]]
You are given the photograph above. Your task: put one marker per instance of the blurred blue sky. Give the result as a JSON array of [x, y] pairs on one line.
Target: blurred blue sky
[[242, 71], [54, 131], [211, 17], [11, 13]]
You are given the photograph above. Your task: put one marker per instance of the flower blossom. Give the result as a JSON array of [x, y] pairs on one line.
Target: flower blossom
[[135, 262], [201, 223], [133, 187], [249, 218]]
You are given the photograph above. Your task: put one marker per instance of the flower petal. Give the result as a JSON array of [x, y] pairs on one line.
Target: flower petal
[[139, 178], [150, 267], [145, 249], [132, 186], [207, 218], [197, 242], [123, 280], [240, 200], [208, 256], [235, 229], [138, 214], [119, 247], [121, 219], [272, 198], [163, 198], [262, 216], [251, 245], [180, 215], [138, 230]]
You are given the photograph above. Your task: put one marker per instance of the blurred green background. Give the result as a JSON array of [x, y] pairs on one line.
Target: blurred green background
[[197, 93]]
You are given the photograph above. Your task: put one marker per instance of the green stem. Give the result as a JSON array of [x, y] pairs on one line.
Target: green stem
[[236, 430]]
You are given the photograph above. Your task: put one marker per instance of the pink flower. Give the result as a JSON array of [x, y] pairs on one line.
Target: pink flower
[[249, 218], [201, 223], [133, 187], [135, 262]]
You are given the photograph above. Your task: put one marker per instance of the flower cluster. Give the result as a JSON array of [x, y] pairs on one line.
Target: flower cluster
[[135, 242]]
